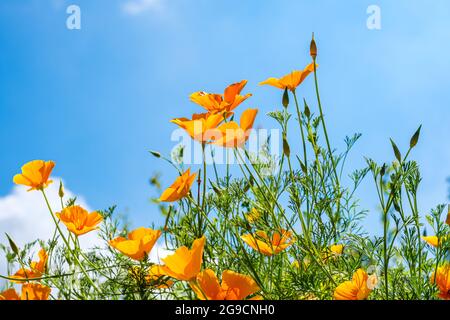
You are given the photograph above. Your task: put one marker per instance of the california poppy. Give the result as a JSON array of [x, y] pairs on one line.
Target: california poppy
[[138, 244], [218, 103], [35, 291], [37, 268], [442, 279], [356, 289], [266, 245], [184, 264], [9, 294], [78, 220], [201, 127], [235, 286], [180, 188], [35, 174], [290, 81], [434, 240], [156, 276], [234, 135]]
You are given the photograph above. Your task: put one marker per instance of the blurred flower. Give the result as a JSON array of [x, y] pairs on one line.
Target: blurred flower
[[37, 268], [235, 286], [9, 294], [202, 125], [337, 249], [78, 220], [233, 135], [139, 243], [180, 188], [290, 81], [252, 216], [434, 240], [156, 276], [35, 174], [356, 289], [35, 291], [442, 279], [217, 103], [261, 242], [184, 264]]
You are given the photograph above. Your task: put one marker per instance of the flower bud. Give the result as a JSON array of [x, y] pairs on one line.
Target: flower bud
[[61, 190], [285, 98], [286, 148], [313, 48]]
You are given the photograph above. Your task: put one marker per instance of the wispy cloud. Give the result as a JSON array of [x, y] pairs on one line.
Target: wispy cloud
[[135, 7]]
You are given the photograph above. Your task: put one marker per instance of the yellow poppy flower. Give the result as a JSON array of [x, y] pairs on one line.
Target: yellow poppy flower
[[356, 289], [290, 81], [252, 216], [218, 103], [202, 126], [9, 294], [37, 268], [434, 240], [442, 281], [184, 264], [35, 174], [35, 291], [235, 286], [78, 220], [231, 134], [180, 188], [139, 243], [261, 242]]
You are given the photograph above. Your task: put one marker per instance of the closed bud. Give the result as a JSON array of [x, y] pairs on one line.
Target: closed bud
[[155, 154], [313, 48], [61, 190], [415, 138], [448, 216], [286, 148], [12, 244], [306, 111], [285, 98]]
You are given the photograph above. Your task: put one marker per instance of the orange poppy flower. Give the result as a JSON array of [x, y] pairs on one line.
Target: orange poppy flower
[[35, 174], [156, 276], [180, 188], [261, 242], [202, 125], [356, 289], [37, 268], [184, 264], [442, 281], [233, 135], [35, 291], [235, 286], [434, 240], [218, 103], [78, 220], [9, 294], [139, 243], [290, 81]]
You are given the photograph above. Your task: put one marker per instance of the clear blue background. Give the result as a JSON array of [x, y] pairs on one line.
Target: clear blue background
[[96, 100]]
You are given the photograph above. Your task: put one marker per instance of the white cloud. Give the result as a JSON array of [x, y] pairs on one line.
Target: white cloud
[[135, 7]]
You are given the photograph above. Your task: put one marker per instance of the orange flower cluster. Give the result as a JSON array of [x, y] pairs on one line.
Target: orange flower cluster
[[30, 290], [206, 128]]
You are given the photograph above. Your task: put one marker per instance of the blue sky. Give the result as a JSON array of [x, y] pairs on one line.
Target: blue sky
[[96, 100]]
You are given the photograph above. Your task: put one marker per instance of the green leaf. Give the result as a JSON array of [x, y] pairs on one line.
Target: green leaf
[[397, 153], [415, 138]]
